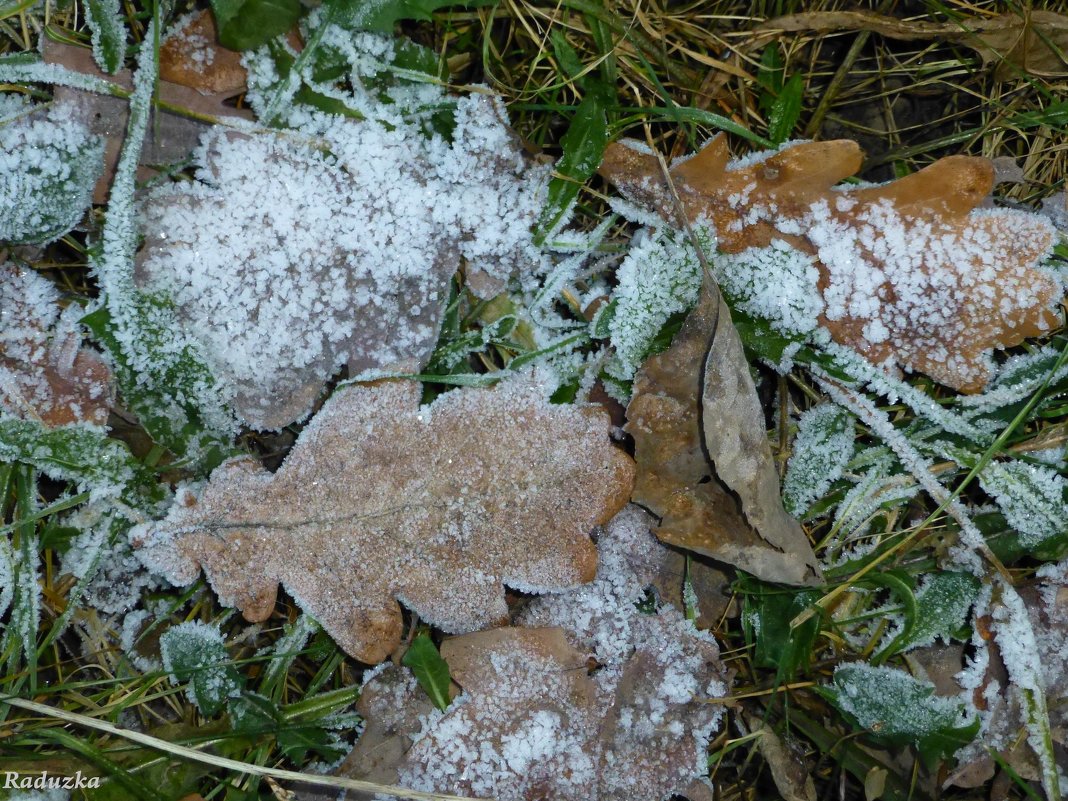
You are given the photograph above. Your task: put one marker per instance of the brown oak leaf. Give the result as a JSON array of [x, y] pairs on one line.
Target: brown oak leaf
[[45, 373], [704, 463], [382, 500], [190, 55], [533, 722], [911, 273]]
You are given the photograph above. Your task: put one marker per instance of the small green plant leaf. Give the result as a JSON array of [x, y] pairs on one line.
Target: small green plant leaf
[[942, 604], [194, 652], [1033, 499], [431, 671], [583, 147], [770, 75], [786, 110], [247, 24], [823, 447], [898, 710], [767, 610], [104, 18], [82, 454]]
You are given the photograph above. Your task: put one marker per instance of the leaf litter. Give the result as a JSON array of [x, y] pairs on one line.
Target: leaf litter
[[533, 721], [588, 693]]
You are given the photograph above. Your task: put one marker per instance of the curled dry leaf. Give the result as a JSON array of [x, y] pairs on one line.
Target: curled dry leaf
[[1032, 42], [728, 508], [911, 273], [383, 500], [45, 373], [533, 722]]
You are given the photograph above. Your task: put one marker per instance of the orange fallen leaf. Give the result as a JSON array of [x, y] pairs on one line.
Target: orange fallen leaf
[[911, 273], [383, 500], [191, 56], [45, 373]]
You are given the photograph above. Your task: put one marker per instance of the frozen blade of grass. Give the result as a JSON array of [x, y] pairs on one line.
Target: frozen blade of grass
[[108, 33], [161, 373], [285, 652], [21, 634], [28, 68], [223, 762]]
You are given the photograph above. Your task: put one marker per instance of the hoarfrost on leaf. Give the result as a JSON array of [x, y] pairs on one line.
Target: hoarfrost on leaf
[[898, 709], [45, 373], [658, 277], [911, 273], [823, 447], [382, 500], [1034, 499], [49, 163], [194, 652], [354, 268], [533, 721]]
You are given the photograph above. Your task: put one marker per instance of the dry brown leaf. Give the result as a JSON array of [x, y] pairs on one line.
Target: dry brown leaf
[[534, 722], [191, 56], [1032, 42], [912, 273], [45, 373], [171, 135], [676, 481], [792, 777], [383, 500]]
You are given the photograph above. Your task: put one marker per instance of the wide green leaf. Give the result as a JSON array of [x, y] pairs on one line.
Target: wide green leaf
[[431, 671], [247, 24], [898, 710]]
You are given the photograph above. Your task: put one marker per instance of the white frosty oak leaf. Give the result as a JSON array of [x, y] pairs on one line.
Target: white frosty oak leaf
[[383, 500]]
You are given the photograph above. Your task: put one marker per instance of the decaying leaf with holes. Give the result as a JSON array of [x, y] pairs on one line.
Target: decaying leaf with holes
[[45, 373], [911, 273], [535, 722], [704, 463], [383, 500]]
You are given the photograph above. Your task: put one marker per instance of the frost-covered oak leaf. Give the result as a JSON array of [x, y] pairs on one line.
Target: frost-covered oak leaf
[[911, 273], [296, 253], [383, 500], [533, 722], [45, 373]]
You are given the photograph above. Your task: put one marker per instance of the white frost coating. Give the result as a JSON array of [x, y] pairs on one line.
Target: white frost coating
[[524, 727], [885, 699], [1015, 636], [353, 267], [197, 651], [1031, 497], [778, 283], [154, 351], [7, 574], [49, 163], [659, 276], [823, 447], [105, 21], [913, 461]]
